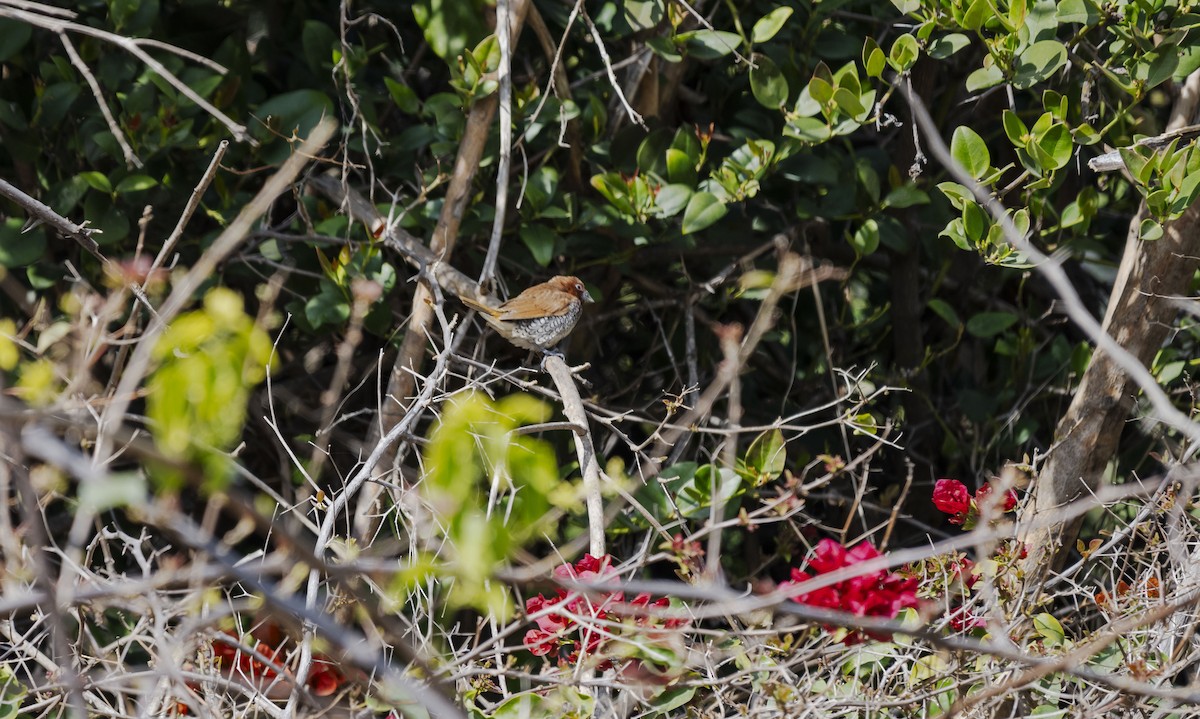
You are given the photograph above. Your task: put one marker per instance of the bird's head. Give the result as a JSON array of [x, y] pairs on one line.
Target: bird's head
[[571, 285]]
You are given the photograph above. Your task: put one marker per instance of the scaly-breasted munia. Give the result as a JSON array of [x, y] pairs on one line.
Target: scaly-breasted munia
[[541, 316]]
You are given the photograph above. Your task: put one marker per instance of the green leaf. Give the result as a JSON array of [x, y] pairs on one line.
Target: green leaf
[[97, 181], [13, 36], [875, 62], [970, 151], [767, 83], [849, 103], [1188, 190], [1038, 62], [1050, 630], [1085, 135], [672, 699], [318, 42], [1156, 67], [541, 190], [944, 310], [644, 14], [947, 45], [904, 53], [984, 77], [956, 193], [487, 54], [403, 96], [709, 44], [820, 90], [1134, 162], [1189, 61], [19, 249], [974, 221], [694, 496], [1149, 230], [766, 458], [1077, 11], [866, 238], [680, 167], [558, 702], [703, 209], [905, 195], [1057, 145], [612, 186], [977, 14], [327, 307], [808, 129], [219, 354], [671, 199], [868, 178], [541, 241], [110, 221], [665, 48], [450, 26], [1014, 128], [957, 234], [297, 111], [652, 152], [135, 183], [54, 103], [990, 324], [770, 24]]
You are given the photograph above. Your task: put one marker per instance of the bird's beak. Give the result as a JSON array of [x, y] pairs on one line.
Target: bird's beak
[[587, 297]]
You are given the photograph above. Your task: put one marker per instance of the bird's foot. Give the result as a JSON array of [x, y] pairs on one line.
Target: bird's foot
[[547, 354]]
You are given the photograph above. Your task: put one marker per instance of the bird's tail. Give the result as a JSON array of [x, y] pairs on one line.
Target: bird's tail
[[479, 306]]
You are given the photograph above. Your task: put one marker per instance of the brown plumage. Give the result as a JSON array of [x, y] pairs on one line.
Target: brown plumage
[[541, 316]]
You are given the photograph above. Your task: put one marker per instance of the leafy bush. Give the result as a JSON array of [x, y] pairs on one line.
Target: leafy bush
[[258, 458]]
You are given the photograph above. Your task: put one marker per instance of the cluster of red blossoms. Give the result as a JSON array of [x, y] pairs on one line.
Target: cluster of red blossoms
[[951, 496], [323, 680], [572, 623], [873, 594]]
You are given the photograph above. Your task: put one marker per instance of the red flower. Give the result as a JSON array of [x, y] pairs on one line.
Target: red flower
[[964, 572], [576, 619], [1010, 497], [962, 618], [540, 643], [951, 496], [873, 594], [324, 679]]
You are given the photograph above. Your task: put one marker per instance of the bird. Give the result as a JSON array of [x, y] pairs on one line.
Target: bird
[[541, 316]]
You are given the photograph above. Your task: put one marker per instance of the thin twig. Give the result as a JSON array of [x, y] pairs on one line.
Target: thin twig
[[190, 208], [588, 466], [612, 77], [504, 39], [130, 158]]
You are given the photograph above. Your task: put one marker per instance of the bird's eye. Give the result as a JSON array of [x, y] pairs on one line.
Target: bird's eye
[[579, 286]]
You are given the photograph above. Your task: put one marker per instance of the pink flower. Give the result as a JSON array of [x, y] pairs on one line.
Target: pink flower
[[951, 496]]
